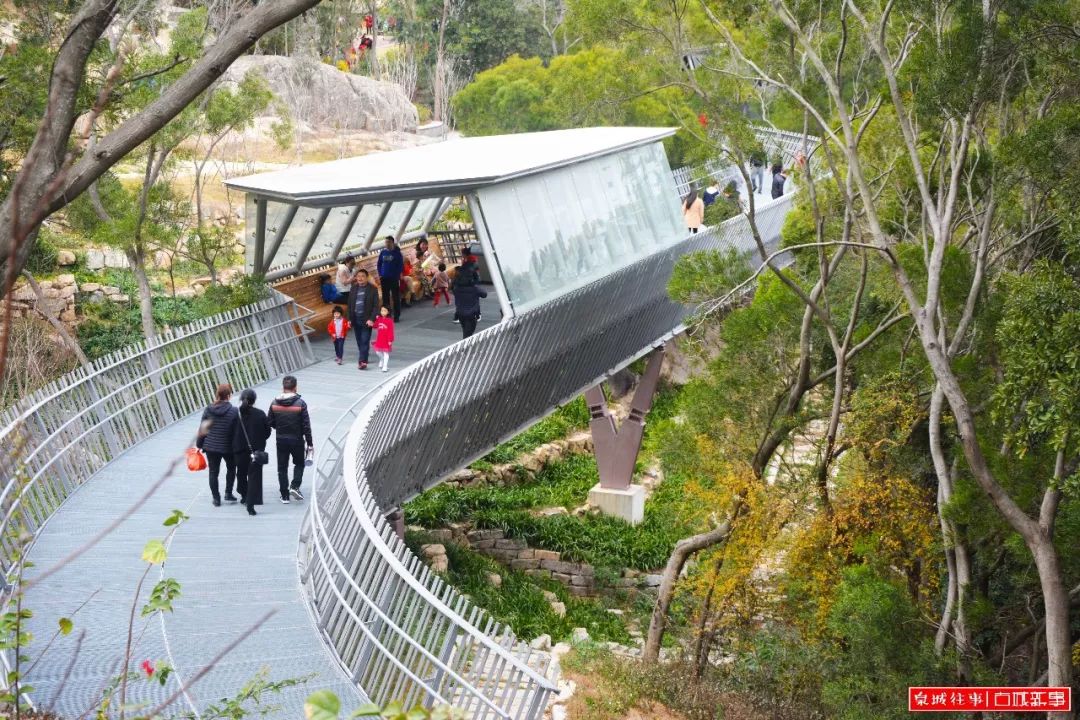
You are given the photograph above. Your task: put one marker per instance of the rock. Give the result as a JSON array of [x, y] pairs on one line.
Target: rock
[[550, 596], [580, 635], [64, 280], [330, 98], [50, 292], [186, 293], [559, 608], [68, 315], [653, 580], [524, 564], [510, 544], [433, 550], [558, 712], [441, 535], [162, 260], [566, 690], [486, 535], [546, 555], [495, 580], [121, 298], [548, 512], [68, 291], [581, 580], [24, 293], [541, 643], [115, 258], [95, 259], [615, 611], [90, 287], [440, 564], [558, 566], [65, 258]]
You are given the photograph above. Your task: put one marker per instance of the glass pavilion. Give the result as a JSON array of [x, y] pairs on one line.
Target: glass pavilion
[[553, 211]]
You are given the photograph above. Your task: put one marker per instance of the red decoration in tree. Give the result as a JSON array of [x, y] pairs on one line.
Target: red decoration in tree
[[703, 120]]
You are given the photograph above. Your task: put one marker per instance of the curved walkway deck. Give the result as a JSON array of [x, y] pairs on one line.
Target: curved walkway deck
[[231, 568]]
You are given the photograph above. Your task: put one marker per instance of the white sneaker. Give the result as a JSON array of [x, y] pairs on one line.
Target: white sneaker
[[385, 369]]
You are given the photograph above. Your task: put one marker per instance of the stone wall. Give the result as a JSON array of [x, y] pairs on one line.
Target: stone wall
[[578, 578]]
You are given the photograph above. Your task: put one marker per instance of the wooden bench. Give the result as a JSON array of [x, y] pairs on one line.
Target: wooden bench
[[305, 289]]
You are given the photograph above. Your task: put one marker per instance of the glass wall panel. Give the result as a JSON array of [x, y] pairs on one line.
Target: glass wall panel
[[296, 237], [560, 230], [275, 215]]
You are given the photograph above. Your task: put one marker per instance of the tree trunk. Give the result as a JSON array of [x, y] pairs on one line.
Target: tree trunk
[[146, 295], [62, 331], [46, 182], [440, 66], [682, 552]]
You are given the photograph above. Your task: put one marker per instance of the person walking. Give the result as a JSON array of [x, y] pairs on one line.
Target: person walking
[[384, 340], [778, 178], [215, 438], [467, 296], [363, 309], [693, 211], [252, 432], [441, 284], [338, 329], [757, 170], [289, 417], [390, 266]]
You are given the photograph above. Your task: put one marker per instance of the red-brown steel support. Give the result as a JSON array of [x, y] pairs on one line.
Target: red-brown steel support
[[617, 449]]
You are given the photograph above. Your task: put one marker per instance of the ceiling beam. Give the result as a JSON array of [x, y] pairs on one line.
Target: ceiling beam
[[316, 229]]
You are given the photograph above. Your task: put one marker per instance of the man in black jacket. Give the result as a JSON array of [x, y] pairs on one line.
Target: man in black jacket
[[289, 417], [363, 309], [467, 296]]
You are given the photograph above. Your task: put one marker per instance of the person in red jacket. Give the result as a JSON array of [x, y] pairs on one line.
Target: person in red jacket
[[384, 341], [338, 329]]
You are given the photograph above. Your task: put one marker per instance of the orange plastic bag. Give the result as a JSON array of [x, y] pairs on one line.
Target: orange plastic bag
[[196, 461]]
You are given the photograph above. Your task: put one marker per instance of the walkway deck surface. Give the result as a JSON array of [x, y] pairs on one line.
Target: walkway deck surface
[[232, 568]]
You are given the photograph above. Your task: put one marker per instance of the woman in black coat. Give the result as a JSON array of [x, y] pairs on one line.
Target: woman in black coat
[[251, 433], [215, 438]]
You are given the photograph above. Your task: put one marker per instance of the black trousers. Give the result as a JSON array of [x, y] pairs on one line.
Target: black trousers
[[468, 325], [248, 480], [339, 348], [289, 448], [391, 295], [213, 462]]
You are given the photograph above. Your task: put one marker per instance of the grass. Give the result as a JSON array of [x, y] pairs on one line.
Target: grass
[[600, 540], [520, 602], [572, 416]]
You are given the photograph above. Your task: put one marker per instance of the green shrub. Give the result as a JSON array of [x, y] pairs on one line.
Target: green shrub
[[519, 601], [42, 257]]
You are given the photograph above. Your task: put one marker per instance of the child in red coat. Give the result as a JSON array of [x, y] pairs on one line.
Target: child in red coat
[[384, 341], [338, 329]]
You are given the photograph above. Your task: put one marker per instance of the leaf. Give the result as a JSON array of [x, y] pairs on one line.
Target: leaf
[[365, 710], [65, 626], [392, 711], [322, 705], [175, 518], [154, 552], [417, 713]]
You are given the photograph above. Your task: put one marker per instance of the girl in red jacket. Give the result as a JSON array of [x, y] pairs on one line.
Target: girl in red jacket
[[338, 329], [384, 341]]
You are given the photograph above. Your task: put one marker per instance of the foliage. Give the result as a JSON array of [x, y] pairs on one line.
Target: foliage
[[596, 86], [42, 258], [519, 600], [325, 705]]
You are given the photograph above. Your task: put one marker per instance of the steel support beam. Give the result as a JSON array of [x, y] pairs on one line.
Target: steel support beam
[[436, 213], [312, 237], [260, 237], [617, 448], [405, 223], [354, 215], [480, 225], [279, 237], [377, 226]]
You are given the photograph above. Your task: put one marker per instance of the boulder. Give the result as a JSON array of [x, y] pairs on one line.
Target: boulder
[[329, 97], [541, 643], [64, 280], [68, 291], [115, 258], [495, 580], [580, 635], [162, 260], [90, 287], [121, 298], [110, 290], [95, 259], [65, 258], [559, 608]]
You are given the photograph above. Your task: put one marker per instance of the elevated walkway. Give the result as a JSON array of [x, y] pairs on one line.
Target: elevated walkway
[[231, 568]]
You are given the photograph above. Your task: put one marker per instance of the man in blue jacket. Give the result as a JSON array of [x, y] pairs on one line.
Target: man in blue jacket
[[391, 265]]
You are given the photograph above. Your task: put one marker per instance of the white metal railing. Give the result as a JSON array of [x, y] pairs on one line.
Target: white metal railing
[[775, 143], [55, 439], [397, 629]]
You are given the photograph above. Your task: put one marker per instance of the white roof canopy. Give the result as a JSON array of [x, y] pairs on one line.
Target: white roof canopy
[[445, 169]]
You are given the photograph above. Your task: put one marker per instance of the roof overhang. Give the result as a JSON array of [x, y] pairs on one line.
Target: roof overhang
[[444, 169]]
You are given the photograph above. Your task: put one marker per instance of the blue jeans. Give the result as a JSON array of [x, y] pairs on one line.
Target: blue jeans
[[339, 347], [363, 339]]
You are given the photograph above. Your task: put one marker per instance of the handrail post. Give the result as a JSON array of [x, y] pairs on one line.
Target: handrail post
[[101, 413]]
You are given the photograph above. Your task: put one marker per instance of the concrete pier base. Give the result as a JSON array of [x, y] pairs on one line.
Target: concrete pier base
[[628, 503]]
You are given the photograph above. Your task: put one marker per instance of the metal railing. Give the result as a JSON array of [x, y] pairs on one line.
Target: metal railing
[[397, 629], [776, 143], [56, 438]]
